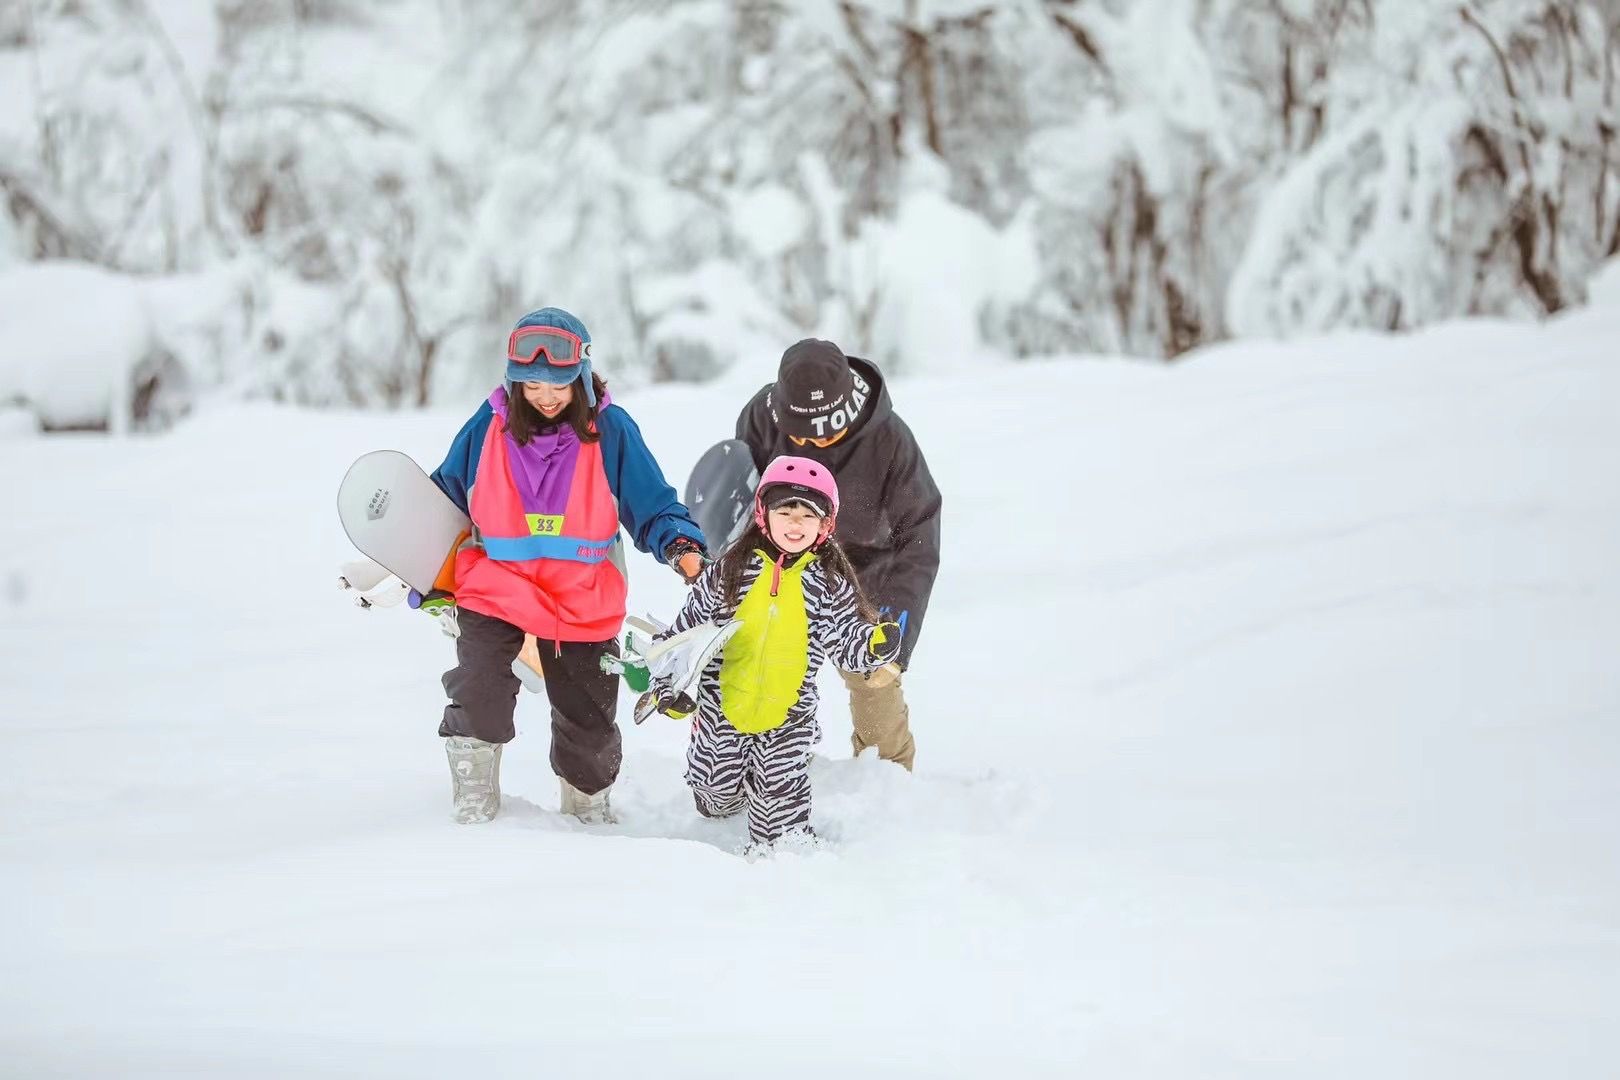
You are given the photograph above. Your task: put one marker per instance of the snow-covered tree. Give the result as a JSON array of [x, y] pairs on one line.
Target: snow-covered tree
[[382, 187], [1473, 179]]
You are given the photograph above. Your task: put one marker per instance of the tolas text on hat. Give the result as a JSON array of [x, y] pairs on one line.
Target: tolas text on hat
[[843, 413]]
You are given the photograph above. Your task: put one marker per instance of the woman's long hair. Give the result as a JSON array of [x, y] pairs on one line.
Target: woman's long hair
[[524, 420], [733, 563]]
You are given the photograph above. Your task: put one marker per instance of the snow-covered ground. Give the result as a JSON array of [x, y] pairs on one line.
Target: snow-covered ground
[[1268, 720]]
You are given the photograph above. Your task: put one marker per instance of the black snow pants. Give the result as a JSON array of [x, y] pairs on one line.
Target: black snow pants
[[585, 745]]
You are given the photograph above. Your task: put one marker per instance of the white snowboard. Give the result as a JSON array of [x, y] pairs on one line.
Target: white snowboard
[[682, 658], [397, 516]]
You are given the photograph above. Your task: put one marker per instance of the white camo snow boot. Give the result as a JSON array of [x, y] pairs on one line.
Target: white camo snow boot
[[475, 778], [591, 809]]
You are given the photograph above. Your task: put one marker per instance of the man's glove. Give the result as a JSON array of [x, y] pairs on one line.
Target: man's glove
[[686, 556]]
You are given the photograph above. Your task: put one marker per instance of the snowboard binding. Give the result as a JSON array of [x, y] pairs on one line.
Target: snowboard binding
[[674, 662], [372, 585]]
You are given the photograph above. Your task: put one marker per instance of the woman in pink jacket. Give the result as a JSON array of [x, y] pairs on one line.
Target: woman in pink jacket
[[548, 469]]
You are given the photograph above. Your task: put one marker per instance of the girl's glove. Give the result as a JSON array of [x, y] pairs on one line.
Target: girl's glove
[[670, 703], [686, 557], [885, 641]]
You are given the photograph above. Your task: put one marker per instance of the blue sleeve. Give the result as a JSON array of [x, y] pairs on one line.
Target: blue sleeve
[[648, 507], [455, 476]]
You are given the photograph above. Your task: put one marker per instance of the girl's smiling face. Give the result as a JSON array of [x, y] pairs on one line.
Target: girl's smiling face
[[549, 401], [793, 527]]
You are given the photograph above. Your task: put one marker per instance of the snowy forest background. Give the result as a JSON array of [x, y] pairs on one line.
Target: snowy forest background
[[1267, 717], [346, 202]]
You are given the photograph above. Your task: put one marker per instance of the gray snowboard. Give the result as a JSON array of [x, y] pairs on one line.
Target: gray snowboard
[[720, 492]]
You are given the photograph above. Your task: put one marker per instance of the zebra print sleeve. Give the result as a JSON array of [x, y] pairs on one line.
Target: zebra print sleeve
[[844, 635], [701, 600]]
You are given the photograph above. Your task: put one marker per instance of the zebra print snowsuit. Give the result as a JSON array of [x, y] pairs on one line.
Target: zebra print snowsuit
[[768, 773]]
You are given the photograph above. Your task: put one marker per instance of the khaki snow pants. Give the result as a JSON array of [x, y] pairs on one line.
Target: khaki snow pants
[[881, 719]]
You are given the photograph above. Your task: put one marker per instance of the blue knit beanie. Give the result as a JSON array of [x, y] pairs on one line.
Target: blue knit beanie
[[557, 319]]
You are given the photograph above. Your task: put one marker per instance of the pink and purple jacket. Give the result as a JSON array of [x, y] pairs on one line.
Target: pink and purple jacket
[[546, 519]]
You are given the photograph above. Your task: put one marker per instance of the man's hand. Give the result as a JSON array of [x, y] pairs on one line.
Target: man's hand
[[887, 675]]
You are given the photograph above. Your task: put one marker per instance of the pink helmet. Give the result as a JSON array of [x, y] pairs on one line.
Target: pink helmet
[[809, 478]]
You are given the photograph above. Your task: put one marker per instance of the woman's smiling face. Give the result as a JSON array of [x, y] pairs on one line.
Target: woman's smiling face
[[549, 401]]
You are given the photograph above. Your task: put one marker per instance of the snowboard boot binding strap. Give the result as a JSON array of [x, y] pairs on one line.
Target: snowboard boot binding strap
[[475, 778]]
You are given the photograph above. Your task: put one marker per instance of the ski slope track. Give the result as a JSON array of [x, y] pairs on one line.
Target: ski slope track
[[1268, 725]]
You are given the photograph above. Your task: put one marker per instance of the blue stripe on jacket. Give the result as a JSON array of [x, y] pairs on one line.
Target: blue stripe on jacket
[[524, 548], [649, 509]]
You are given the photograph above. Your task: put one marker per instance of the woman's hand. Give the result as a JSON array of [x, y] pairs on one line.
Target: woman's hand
[[686, 557]]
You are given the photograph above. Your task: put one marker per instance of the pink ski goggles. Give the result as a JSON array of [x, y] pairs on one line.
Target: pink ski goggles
[[560, 348]]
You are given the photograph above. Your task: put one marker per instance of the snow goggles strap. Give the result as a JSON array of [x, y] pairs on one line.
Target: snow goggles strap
[[561, 348]]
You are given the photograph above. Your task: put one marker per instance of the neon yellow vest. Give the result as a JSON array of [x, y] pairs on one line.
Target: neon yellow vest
[[766, 661]]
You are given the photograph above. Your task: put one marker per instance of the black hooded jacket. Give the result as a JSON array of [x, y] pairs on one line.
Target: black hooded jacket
[[888, 516]]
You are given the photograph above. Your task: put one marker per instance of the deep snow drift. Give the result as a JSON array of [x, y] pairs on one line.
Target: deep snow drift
[[1267, 714]]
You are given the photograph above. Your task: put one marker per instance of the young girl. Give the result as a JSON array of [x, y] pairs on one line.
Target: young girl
[[548, 469], [794, 592]]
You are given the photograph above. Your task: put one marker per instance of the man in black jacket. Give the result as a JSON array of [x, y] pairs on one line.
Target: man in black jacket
[[836, 410]]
